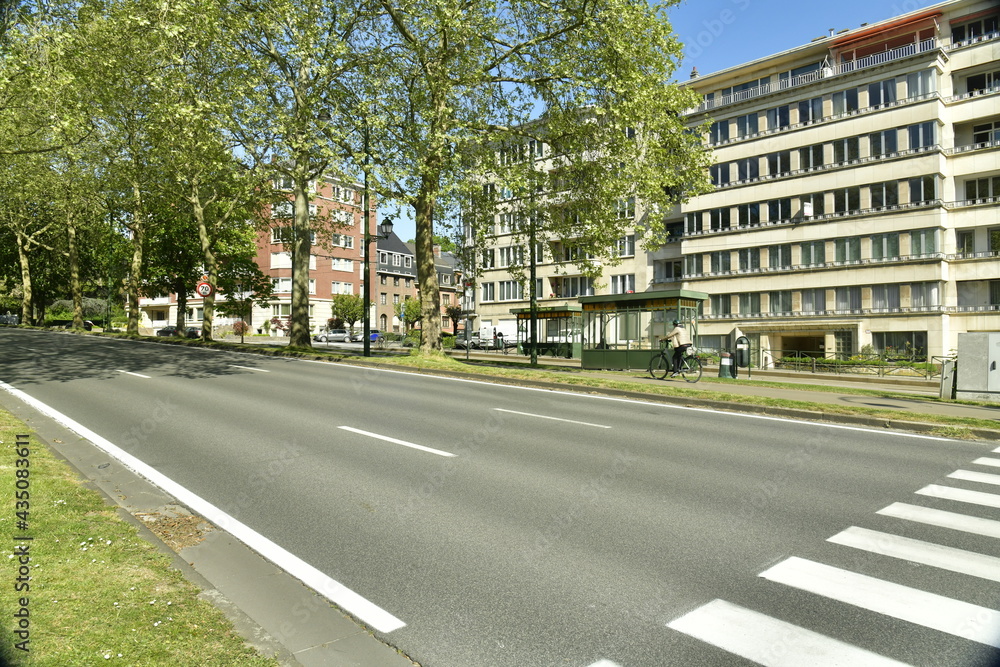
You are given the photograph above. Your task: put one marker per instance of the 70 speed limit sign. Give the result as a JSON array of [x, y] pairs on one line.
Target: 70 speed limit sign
[[204, 289]]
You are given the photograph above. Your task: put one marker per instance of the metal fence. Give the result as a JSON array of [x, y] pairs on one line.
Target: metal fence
[[879, 364]]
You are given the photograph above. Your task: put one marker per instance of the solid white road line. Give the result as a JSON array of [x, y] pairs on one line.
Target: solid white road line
[[930, 610], [769, 641], [918, 551], [961, 495], [972, 476], [983, 461], [558, 419], [933, 517], [249, 368], [333, 590], [138, 375], [398, 442]]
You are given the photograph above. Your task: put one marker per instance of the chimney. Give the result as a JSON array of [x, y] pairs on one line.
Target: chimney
[[831, 31], [437, 250], [694, 72]]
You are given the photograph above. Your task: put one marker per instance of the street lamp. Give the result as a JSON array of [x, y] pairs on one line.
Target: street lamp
[[385, 231]]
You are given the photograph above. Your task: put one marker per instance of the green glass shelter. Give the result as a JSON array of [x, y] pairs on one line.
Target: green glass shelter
[[559, 330]]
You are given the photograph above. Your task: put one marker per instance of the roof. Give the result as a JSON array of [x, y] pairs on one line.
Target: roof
[[394, 244]]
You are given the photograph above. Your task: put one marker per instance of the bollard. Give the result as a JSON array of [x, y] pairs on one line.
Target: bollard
[[725, 365]]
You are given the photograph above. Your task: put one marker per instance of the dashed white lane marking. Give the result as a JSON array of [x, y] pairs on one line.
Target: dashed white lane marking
[[984, 461], [249, 368], [972, 476], [929, 610], [961, 495], [138, 375], [934, 517], [557, 419], [398, 442], [770, 641], [329, 588], [604, 663], [918, 551]]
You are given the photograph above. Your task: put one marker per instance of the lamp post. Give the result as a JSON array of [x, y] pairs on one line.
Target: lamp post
[[385, 230]]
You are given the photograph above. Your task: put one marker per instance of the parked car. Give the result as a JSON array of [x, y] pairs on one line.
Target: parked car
[[193, 332], [167, 331], [373, 335], [473, 341], [333, 336]]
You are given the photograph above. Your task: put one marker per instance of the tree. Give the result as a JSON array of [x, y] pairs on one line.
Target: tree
[[409, 311], [455, 313], [350, 308]]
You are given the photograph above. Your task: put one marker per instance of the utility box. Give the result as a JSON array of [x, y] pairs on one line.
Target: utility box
[[978, 373]]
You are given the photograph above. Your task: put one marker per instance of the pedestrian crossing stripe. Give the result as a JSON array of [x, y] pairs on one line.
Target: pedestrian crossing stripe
[[961, 495], [929, 610], [972, 476], [983, 461], [942, 519], [770, 641]]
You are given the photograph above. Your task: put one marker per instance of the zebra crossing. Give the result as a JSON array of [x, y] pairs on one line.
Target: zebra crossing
[[773, 642]]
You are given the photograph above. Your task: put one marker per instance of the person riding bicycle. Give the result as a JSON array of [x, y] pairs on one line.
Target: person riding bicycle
[[678, 336]]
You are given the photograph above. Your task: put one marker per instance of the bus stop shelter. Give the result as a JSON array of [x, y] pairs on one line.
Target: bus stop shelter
[[622, 331], [559, 330]]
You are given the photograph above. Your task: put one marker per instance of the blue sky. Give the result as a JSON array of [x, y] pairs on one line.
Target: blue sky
[[722, 33]]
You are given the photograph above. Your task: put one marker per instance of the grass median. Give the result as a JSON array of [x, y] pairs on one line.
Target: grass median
[[87, 588]]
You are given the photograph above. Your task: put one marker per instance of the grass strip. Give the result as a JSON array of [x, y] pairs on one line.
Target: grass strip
[[98, 593]]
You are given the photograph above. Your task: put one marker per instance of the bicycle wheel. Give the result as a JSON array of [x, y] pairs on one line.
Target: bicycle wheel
[[691, 369], [659, 366]]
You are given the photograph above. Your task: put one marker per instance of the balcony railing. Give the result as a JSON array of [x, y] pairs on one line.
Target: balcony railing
[[972, 41], [827, 72]]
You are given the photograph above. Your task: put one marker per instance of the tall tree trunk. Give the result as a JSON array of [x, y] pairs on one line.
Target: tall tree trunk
[[27, 310], [138, 229], [301, 246], [74, 272], [208, 258], [430, 297], [180, 289]]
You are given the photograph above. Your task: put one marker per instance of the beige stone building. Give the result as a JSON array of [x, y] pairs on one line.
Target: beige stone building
[[857, 182]]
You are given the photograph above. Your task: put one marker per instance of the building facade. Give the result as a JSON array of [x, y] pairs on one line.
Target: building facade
[[855, 207], [396, 282]]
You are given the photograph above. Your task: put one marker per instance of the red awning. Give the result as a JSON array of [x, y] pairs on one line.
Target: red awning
[[885, 27]]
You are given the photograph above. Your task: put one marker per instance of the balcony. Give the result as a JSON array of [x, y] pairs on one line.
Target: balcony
[[982, 145], [828, 72]]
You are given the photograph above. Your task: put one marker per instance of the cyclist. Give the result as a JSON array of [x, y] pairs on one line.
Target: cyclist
[[678, 336]]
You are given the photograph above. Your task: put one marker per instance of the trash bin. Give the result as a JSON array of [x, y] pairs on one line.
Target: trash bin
[[726, 366]]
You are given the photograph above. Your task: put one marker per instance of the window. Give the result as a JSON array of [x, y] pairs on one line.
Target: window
[[925, 295], [383, 258], [813, 300], [623, 284], [750, 304], [974, 29], [626, 208], [884, 194], [749, 259], [692, 223], [395, 281], [488, 292], [779, 163], [885, 297], [847, 250], [746, 125], [986, 133], [811, 157], [885, 246], [342, 240], [283, 209], [920, 83], [779, 209], [846, 200], [921, 135], [748, 168], [780, 256], [720, 261], [748, 215], [982, 188], [848, 298], [813, 253], [287, 235], [341, 264], [813, 205], [719, 219], [693, 265], [922, 189], [407, 261], [965, 242], [382, 280], [511, 256], [722, 304], [883, 92], [510, 290], [395, 299], [882, 143], [994, 236], [846, 150], [719, 174], [281, 260], [780, 303], [811, 111], [910, 344], [341, 288], [281, 310], [984, 81], [396, 259], [282, 285], [489, 259], [719, 132], [778, 118], [667, 271], [574, 286], [845, 101], [626, 246], [923, 242]]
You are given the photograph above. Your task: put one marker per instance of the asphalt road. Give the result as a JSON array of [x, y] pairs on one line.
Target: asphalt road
[[509, 526]]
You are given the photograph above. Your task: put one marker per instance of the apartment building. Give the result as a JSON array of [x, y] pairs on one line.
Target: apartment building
[[857, 181], [856, 188], [396, 283]]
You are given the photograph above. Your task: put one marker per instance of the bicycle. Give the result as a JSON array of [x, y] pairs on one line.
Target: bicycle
[[661, 364]]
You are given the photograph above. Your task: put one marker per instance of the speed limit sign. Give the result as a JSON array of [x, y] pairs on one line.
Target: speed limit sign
[[204, 289]]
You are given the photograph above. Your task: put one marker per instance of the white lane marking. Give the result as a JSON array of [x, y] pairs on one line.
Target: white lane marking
[[972, 476], [961, 495], [997, 450], [769, 641], [929, 610], [604, 663], [398, 442], [250, 368], [333, 590], [138, 375], [558, 419], [918, 551], [934, 517], [983, 461]]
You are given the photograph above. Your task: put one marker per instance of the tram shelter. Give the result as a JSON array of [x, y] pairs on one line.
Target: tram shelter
[[559, 330]]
